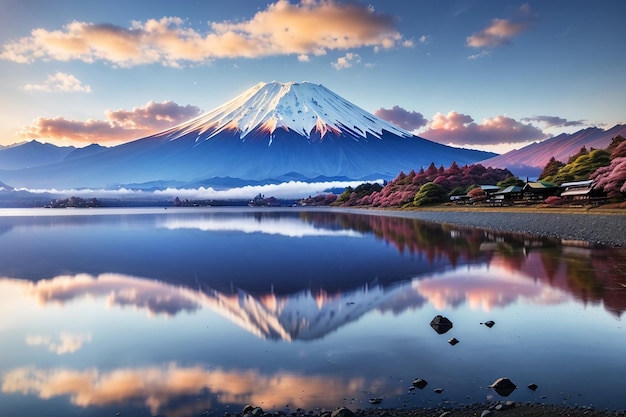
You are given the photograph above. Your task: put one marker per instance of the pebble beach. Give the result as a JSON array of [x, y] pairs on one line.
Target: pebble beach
[[592, 226]]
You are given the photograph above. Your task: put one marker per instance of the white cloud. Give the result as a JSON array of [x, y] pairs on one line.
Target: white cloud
[[59, 82], [291, 189], [346, 61]]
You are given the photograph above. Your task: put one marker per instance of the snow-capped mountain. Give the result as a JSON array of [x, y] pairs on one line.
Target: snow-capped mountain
[[310, 110], [274, 132]]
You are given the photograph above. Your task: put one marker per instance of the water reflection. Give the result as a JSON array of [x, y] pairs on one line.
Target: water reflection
[[186, 311], [159, 387]]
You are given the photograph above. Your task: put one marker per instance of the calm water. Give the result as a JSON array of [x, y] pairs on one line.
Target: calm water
[[185, 312]]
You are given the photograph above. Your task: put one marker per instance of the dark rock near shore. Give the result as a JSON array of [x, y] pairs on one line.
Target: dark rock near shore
[[503, 386], [453, 341], [342, 412], [441, 324], [420, 383]]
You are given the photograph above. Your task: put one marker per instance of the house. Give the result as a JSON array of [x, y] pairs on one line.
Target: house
[[581, 192], [461, 199], [507, 195], [489, 191], [539, 190]]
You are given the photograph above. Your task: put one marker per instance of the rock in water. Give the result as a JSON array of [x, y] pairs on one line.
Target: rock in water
[[503, 386], [441, 324], [419, 383]]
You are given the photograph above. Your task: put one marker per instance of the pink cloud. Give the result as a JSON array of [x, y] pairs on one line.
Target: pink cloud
[[460, 129], [501, 31], [308, 28], [119, 126], [408, 120]]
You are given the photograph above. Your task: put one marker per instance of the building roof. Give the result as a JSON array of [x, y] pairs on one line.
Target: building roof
[[576, 191], [509, 190], [539, 185], [585, 183], [489, 187]]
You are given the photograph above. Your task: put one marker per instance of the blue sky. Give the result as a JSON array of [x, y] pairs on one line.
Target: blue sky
[[489, 74]]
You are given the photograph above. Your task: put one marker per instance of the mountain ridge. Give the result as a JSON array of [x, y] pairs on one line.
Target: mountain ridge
[[537, 155]]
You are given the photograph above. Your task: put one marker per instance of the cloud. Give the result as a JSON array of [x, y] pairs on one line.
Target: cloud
[[291, 189], [501, 31], [554, 121], [119, 126], [65, 343], [481, 54], [59, 82], [346, 61], [460, 129], [311, 27], [408, 120]]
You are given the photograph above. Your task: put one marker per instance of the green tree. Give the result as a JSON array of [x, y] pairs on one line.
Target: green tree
[[582, 167], [430, 193], [509, 181], [551, 169], [345, 196]]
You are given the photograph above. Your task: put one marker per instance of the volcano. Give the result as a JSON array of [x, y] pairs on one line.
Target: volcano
[[274, 132]]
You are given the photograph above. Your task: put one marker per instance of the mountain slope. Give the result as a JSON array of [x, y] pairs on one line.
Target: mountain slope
[[537, 155], [272, 132], [30, 154]]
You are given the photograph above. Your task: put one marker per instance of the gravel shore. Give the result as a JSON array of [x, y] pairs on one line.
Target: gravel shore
[[494, 409], [585, 225]]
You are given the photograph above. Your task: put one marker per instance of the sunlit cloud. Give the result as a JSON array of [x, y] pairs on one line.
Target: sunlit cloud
[[460, 129], [118, 127], [62, 344], [157, 387], [59, 82], [287, 190], [346, 61], [310, 27], [500, 32], [408, 120]]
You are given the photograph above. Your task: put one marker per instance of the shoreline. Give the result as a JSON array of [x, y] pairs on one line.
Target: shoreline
[[606, 227], [494, 408]]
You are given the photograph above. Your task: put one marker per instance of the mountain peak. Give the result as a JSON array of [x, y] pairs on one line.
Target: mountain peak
[[310, 110]]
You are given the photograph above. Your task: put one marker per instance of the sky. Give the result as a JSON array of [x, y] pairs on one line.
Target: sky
[[485, 74]]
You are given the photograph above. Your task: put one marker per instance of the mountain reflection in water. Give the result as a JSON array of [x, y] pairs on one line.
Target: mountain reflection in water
[[121, 309]]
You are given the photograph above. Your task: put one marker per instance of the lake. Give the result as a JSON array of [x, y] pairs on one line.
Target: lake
[[182, 312]]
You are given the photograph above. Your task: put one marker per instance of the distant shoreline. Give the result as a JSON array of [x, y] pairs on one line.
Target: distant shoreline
[[595, 226]]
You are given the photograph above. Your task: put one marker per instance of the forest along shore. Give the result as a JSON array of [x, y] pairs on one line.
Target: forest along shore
[[593, 226]]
